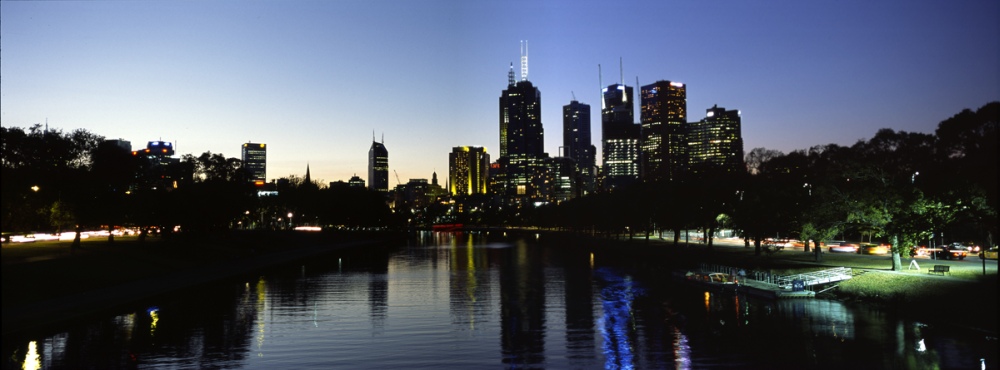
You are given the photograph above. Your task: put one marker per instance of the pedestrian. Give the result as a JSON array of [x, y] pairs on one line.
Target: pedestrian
[[913, 260]]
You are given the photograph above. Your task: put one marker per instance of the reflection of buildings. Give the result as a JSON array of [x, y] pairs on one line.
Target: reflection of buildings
[[664, 114], [578, 295], [470, 282], [619, 334], [522, 307], [254, 157], [378, 167]]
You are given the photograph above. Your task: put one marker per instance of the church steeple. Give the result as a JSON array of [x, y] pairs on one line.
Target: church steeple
[[308, 179]]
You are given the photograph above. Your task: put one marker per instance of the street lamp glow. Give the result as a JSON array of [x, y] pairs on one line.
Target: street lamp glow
[[35, 188]]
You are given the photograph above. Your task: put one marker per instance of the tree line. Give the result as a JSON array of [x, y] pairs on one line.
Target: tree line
[[899, 187], [74, 181], [902, 188]]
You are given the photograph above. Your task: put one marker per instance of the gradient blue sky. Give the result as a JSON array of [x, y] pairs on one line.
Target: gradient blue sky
[[315, 79]]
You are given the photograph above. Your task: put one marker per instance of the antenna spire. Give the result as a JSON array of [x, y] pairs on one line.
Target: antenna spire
[[600, 84], [621, 71], [510, 75], [524, 60]]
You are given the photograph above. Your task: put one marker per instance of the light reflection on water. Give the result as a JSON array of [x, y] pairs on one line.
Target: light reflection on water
[[464, 301]]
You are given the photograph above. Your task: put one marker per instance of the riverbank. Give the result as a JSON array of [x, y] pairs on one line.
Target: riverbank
[[47, 283], [966, 296]]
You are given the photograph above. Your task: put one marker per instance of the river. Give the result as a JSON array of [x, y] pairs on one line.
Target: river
[[478, 301]]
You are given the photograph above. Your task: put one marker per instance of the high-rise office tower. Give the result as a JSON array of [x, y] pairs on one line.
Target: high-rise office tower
[[715, 144], [577, 143], [468, 168], [619, 137], [663, 118], [521, 135], [378, 167], [254, 156]]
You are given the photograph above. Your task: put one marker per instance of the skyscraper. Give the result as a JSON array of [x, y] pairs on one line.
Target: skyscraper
[[663, 118], [577, 144], [254, 156], [468, 168], [619, 137], [521, 136], [378, 167], [715, 144]]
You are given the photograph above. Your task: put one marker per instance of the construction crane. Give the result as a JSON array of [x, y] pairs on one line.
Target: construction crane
[[397, 178]]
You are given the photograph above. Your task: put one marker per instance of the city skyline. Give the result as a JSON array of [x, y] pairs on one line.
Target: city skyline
[[314, 80]]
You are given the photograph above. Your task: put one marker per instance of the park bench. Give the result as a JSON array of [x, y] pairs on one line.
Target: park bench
[[941, 269]]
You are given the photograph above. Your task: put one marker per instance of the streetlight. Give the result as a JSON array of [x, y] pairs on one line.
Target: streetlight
[[35, 188]]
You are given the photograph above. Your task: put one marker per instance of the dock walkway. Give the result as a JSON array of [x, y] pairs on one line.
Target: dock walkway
[[783, 286]]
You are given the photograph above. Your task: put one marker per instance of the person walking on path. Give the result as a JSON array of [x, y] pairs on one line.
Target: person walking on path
[[913, 260]]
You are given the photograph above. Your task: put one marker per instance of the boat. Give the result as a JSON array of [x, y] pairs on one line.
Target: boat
[[447, 227], [712, 280]]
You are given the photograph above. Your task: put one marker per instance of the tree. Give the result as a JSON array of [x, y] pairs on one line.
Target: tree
[[967, 143], [883, 190], [41, 167]]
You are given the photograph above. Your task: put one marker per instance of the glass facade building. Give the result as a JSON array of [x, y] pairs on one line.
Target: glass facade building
[[378, 167], [577, 143], [619, 137], [715, 143], [468, 170], [254, 157], [664, 119], [521, 140]]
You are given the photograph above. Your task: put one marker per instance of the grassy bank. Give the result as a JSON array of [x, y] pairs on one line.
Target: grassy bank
[[965, 296], [47, 282]]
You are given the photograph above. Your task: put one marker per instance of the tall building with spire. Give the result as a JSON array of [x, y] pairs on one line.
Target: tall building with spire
[[521, 135], [577, 144], [619, 137], [715, 143], [664, 122], [378, 167]]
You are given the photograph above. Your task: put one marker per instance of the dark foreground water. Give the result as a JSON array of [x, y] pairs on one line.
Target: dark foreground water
[[461, 301]]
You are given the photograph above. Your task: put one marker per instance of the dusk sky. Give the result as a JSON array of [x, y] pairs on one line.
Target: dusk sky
[[315, 79]]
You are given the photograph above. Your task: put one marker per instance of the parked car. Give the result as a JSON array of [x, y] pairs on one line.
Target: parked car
[[990, 254], [872, 248], [840, 246], [953, 251]]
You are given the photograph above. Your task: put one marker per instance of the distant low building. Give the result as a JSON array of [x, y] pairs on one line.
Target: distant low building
[[159, 170]]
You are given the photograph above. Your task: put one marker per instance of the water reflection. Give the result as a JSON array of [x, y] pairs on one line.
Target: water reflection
[[484, 301], [522, 306]]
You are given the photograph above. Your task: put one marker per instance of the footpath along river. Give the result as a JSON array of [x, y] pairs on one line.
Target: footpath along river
[[488, 300]]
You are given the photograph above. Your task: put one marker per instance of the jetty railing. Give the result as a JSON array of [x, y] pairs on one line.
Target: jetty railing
[[808, 279]]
